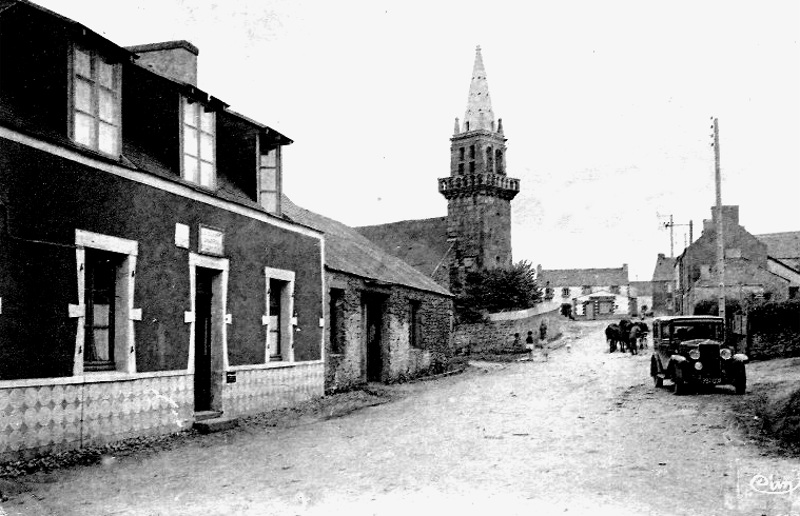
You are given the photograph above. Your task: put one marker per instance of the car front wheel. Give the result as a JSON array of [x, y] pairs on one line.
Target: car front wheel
[[681, 386]]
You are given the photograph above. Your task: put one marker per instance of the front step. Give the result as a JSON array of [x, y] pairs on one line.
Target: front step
[[211, 421]]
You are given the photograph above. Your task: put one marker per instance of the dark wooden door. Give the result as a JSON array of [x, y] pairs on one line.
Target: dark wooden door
[[374, 317], [202, 341]]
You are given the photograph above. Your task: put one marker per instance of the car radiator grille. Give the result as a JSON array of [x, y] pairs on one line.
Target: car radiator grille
[[709, 356]]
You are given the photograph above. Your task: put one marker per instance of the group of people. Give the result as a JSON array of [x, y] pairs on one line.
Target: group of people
[[532, 345]]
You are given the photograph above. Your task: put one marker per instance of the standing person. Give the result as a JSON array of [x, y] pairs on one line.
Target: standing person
[[517, 344], [529, 344], [543, 339]]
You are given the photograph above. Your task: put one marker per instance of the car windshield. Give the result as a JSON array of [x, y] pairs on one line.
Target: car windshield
[[689, 330]]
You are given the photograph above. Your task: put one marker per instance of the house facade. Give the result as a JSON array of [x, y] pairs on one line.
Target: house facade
[[665, 282], [641, 297], [593, 293], [750, 272], [147, 276], [386, 321]]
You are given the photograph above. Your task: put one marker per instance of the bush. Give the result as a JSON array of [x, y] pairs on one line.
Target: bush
[[497, 290]]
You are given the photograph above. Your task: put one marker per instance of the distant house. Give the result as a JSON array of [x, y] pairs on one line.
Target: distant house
[[593, 293], [750, 271], [385, 319], [641, 297], [665, 282]]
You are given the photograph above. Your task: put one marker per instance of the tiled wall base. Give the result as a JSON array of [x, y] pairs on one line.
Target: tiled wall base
[[36, 419], [62, 414], [260, 390]]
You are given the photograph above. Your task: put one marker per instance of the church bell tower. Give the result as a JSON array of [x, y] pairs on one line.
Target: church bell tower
[[478, 191]]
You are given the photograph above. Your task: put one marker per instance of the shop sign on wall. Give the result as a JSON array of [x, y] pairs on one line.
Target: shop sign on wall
[[211, 241]]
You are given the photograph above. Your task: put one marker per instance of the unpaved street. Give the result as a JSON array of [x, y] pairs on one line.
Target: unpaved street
[[584, 433]]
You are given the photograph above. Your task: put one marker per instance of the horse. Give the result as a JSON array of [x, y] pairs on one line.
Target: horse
[[612, 337]]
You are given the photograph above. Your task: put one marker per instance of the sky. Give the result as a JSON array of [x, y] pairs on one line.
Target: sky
[[607, 107]]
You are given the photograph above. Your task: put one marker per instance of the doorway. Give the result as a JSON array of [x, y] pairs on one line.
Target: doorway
[[203, 302], [373, 307]]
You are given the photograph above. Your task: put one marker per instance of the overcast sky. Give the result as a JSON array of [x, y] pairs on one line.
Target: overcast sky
[[606, 107]]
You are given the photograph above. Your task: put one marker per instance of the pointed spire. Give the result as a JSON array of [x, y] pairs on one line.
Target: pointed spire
[[479, 114]]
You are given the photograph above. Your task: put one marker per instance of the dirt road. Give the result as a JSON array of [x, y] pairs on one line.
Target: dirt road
[[583, 433]]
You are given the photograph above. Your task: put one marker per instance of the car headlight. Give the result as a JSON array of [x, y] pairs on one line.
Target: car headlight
[[694, 354], [725, 353], [698, 365]]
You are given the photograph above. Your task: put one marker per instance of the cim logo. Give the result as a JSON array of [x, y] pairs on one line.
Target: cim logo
[[773, 485]]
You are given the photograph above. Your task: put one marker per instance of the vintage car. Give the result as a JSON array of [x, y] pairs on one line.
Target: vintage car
[[690, 351]]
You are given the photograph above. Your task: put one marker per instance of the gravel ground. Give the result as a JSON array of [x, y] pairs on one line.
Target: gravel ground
[[582, 433]]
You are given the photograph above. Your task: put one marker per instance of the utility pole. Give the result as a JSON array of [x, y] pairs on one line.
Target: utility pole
[[720, 235], [671, 224]]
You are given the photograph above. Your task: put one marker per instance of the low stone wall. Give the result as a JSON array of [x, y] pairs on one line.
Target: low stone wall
[[497, 334]]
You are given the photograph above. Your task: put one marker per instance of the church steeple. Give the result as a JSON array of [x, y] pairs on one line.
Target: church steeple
[[478, 191], [479, 114]]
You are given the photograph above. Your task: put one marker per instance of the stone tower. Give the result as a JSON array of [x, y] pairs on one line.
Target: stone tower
[[478, 191]]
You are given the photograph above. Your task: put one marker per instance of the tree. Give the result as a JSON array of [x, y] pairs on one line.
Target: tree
[[496, 290]]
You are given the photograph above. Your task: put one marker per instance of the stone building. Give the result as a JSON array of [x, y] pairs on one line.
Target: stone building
[[750, 271], [665, 281], [148, 278], [385, 320], [593, 293], [476, 234], [641, 297]]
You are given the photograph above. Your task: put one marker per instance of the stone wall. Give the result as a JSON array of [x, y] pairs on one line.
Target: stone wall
[[347, 368], [497, 334]]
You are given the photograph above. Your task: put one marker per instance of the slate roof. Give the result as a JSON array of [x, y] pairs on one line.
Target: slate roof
[[665, 269], [420, 243], [346, 250], [581, 277], [783, 246]]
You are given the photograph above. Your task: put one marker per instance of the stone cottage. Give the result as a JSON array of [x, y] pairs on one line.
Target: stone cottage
[[750, 271], [386, 320]]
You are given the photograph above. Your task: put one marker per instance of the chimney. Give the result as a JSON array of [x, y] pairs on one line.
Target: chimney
[[708, 225], [730, 214], [538, 270], [625, 270], [174, 59], [661, 256]]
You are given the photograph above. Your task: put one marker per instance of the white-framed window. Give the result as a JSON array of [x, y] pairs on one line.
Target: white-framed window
[[280, 318], [106, 275], [95, 111], [269, 181], [198, 153]]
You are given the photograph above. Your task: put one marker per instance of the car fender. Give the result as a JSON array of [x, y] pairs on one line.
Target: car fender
[[677, 359], [740, 357]]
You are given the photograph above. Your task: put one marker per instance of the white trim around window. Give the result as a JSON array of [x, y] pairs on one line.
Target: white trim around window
[[125, 314], [283, 334]]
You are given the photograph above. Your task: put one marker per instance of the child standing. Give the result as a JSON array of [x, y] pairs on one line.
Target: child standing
[[529, 343], [543, 339]]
